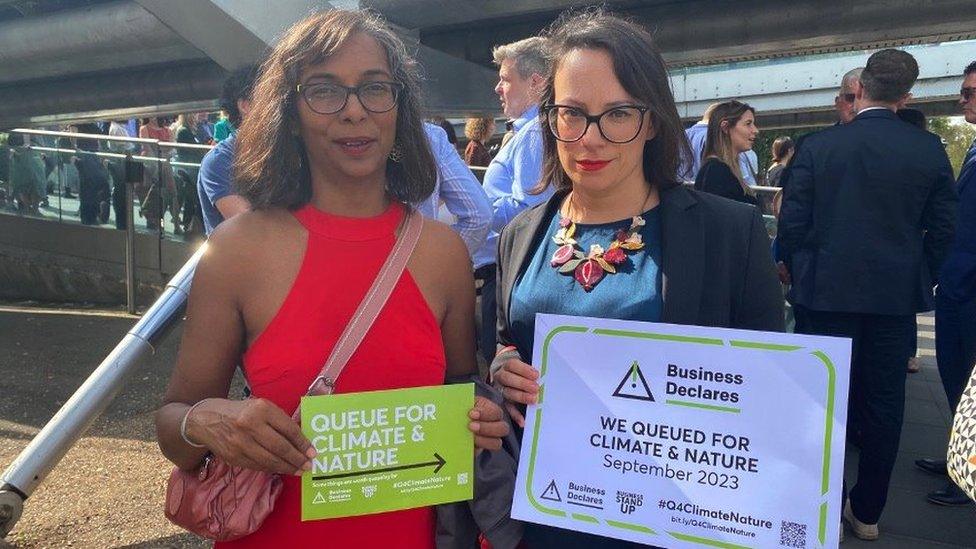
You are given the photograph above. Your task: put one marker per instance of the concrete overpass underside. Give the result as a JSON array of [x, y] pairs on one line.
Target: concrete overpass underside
[[697, 32], [76, 59]]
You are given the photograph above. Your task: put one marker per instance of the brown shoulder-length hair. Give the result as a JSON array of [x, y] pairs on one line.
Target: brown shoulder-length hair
[[641, 71], [271, 167], [718, 142]]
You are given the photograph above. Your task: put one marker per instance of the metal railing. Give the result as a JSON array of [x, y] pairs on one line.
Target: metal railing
[[45, 450], [136, 154], [50, 445]]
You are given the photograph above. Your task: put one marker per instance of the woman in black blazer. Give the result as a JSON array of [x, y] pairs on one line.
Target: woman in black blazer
[[621, 238], [731, 131]]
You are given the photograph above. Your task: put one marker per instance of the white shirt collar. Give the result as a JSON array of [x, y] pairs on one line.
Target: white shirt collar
[[872, 109]]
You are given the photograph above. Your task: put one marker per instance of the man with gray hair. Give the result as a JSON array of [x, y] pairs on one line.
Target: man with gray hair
[[844, 101], [516, 169]]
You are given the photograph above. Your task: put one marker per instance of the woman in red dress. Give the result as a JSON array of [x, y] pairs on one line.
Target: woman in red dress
[[332, 150]]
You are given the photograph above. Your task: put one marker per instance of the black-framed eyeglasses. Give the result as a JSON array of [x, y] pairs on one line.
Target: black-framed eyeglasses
[[329, 98], [967, 93], [849, 97], [618, 125]]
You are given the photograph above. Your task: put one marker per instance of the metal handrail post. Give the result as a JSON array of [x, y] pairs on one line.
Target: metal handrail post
[[44, 452], [130, 241], [61, 183]]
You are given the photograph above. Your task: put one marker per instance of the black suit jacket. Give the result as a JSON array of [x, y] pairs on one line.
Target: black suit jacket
[[868, 215], [717, 268]]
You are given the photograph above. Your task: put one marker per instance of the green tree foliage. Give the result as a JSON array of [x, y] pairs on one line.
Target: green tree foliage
[[957, 138]]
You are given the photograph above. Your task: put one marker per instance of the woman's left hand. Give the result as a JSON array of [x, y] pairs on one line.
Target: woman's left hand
[[488, 424]]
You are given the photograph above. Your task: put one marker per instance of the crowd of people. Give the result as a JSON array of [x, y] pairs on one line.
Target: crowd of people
[[865, 227], [597, 203], [35, 167]]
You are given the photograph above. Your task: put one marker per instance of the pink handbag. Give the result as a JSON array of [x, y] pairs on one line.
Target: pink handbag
[[224, 502]]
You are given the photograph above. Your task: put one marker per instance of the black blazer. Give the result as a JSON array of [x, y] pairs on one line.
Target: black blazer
[[857, 200], [717, 269], [716, 177], [957, 279]]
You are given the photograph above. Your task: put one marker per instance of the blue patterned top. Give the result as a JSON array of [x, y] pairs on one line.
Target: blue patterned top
[[632, 293]]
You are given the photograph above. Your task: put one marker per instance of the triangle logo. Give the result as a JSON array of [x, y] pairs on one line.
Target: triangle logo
[[319, 498], [634, 385], [551, 492]]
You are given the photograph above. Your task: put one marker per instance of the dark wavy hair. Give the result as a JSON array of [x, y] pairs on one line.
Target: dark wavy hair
[[641, 71], [271, 168], [237, 86]]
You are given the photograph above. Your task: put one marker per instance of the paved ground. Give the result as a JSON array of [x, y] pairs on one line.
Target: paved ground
[[108, 491], [909, 522]]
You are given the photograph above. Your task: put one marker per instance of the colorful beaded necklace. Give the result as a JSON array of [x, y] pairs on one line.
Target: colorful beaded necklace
[[589, 269]]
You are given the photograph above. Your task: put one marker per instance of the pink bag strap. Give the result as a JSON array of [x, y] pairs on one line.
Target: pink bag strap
[[370, 306]]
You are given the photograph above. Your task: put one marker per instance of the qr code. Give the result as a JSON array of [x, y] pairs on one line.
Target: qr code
[[793, 534], [462, 479]]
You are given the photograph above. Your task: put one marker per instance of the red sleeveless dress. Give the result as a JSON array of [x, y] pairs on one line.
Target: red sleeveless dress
[[402, 349]]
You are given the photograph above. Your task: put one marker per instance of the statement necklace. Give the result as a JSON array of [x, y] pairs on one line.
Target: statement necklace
[[590, 268]]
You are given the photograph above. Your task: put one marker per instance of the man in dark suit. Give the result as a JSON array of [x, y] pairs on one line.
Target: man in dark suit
[[955, 301], [859, 199]]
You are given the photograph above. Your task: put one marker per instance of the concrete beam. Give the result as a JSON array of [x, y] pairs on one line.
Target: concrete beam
[[713, 31], [231, 32], [454, 87], [758, 29], [426, 14], [809, 84], [110, 36], [23, 103], [237, 32]]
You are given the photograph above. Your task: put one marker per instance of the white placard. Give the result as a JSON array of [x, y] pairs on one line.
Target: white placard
[[683, 436]]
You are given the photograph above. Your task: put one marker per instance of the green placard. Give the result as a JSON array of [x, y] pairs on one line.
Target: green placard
[[388, 450]]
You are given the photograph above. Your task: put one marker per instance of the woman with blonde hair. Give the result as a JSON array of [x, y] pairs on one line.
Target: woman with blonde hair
[[478, 131], [731, 131], [330, 155]]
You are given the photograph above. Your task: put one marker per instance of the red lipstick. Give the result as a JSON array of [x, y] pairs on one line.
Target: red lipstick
[[592, 165]]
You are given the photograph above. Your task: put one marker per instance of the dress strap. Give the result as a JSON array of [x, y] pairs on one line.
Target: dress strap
[[370, 307]]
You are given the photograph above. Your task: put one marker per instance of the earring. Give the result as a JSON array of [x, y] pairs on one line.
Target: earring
[[396, 154]]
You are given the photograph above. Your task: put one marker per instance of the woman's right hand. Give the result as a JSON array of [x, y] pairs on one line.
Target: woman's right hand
[[253, 433], [517, 381]]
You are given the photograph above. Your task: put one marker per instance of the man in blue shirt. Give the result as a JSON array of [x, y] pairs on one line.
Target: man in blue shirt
[[218, 200], [458, 189], [516, 169], [955, 298]]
